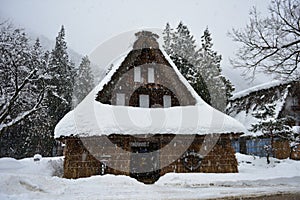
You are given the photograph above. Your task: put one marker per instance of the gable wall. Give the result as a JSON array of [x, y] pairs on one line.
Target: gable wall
[[164, 75]]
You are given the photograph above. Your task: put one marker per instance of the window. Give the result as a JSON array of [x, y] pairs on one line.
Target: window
[[167, 101], [150, 75], [137, 74], [236, 145], [144, 101], [257, 147], [120, 99]]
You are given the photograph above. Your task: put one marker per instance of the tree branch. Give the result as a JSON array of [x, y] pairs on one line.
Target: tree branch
[[7, 107], [25, 114]]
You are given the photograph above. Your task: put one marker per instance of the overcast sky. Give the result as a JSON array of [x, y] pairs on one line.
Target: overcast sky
[[90, 23]]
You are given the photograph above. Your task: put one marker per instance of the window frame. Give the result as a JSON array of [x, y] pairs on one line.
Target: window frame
[[120, 96], [137, 74], [147, 98]]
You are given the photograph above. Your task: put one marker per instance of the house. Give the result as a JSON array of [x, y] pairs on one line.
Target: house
[[285, 96], [144, 120]]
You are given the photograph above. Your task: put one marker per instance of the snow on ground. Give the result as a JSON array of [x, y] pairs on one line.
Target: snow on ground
[[26, 179]]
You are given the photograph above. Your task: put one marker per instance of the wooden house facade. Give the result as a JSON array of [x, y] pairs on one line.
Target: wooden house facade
[[144, 120]]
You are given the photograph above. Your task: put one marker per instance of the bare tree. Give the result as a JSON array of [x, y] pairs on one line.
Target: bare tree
[[6, 108], [271, 44], [21, 87]]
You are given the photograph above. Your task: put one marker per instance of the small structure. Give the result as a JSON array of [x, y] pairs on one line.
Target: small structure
[[144, 120], [286, 98]]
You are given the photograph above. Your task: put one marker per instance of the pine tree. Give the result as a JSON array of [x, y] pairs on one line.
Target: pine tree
[[270, 126], [220, 88], [42, 138], [168, 39], [180, 46], [84, 81], [61, 81], [193, 77], [183, 44]]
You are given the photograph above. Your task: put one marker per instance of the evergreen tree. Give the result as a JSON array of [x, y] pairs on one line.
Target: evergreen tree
[[84, 81], [220, 88], [42, 138], [270, 126], [61, 81], [267, 122], [193, 77], [183, 44], [180, 45], [168, 39]]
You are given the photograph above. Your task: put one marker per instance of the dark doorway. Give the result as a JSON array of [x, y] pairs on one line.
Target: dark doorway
[[144, 162]]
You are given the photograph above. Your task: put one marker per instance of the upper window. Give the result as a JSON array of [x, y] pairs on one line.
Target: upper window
[[144, 101], [137, 74], [150, 75], [167, 101], [120, 99]]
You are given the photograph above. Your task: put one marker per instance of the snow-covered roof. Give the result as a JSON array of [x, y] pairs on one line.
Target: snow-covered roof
[[247, 119], [92, 118], [256, 88], [242, 108]]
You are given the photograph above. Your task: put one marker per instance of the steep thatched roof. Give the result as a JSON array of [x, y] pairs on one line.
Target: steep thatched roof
[[96, 116], [245, 103]]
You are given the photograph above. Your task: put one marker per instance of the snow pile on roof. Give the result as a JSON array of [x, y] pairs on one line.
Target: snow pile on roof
[[256, 88], [247, 119], [91, 117]]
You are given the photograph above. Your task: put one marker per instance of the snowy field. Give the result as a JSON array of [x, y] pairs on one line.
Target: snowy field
[[25, 179]]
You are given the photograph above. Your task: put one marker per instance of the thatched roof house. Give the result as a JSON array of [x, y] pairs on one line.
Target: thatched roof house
[[285, 96], [145, 120]]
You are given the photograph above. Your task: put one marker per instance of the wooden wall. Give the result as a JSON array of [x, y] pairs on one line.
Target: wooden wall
[[86, 156], [164, 76], [295, 153]]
